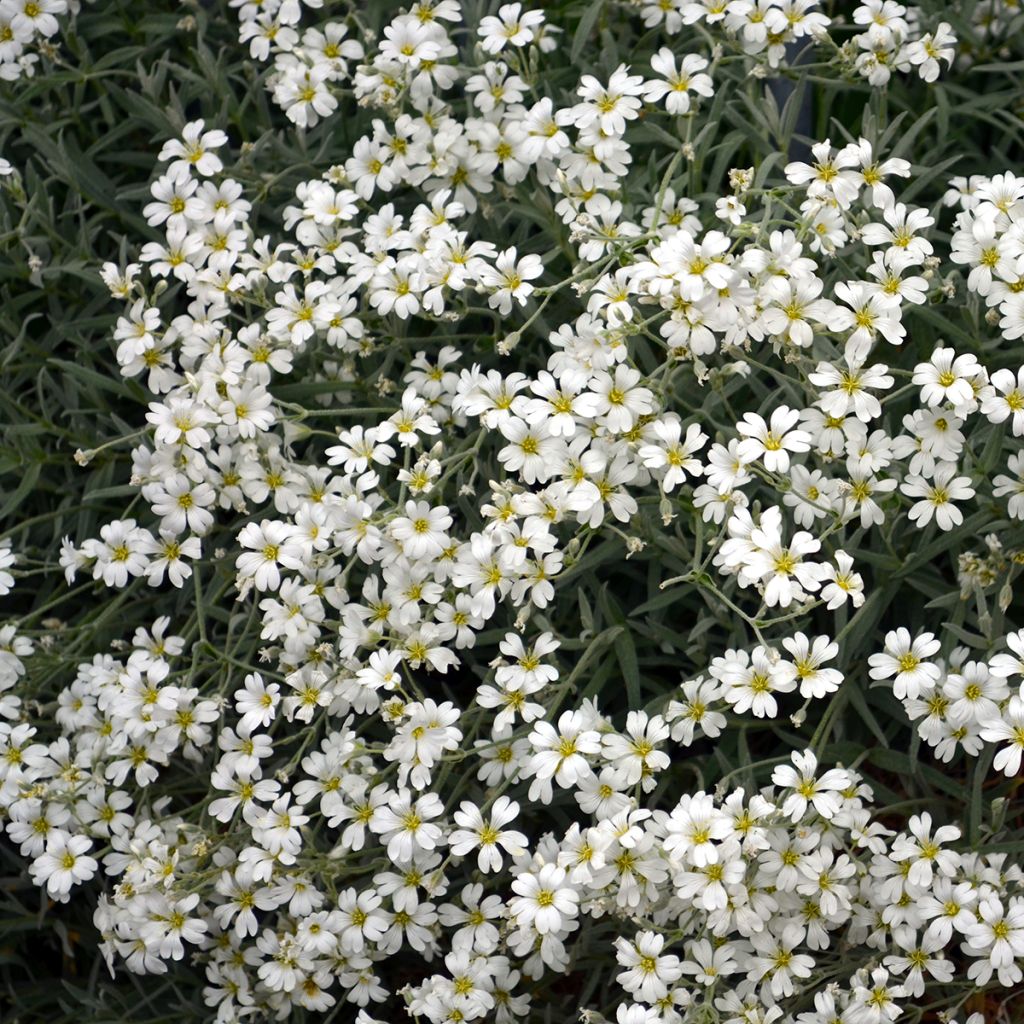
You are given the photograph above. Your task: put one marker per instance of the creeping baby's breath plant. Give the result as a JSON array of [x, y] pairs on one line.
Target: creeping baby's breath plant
[[531, 528]]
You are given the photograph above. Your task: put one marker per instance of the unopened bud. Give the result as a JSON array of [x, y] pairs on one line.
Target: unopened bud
[[998, 813]]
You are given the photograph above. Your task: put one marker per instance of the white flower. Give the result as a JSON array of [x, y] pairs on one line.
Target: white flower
[[829, 175], [806, 667], [900, 231], [422, 531], [561, 754], [509, 279], [925, 850], [1006, 400], [904, 660], [939, 493], [360, 920], [634, 754], [820, 793], [543, 900], [406, 825], [619, 398], [777, 963], [408, 40], [609, 107], [947, 377], [677, 85], [1012, 485], [649, 974], [487, 834], [268, 544], [693, 828], [256, 702], [674, 456], [1006, 665], [930, 49], [194, 150], [772, 441], [1007, 728], [511, 27], [63, 864], [751, 681], [998, 935]]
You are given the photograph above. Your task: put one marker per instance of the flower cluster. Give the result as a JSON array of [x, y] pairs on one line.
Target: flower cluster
[[414, 54], [24, 25], [383, 438]]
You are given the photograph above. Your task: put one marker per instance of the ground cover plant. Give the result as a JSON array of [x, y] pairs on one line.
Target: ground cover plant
[[512, 512]]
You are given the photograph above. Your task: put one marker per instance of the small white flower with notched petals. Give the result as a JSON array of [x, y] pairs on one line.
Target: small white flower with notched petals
[[900, 231], [634, 754], [180, 420], [406, 825], [751, 680], [1013, 486], [509, 279], [408, 40], [266, 546], [807, 789], [620, 400], [829, 175], [998, 936], [675, 86], [194, 150], [256, 702], [1006, 401], [487, 833], [870, 313], [938, 495], [649, 973], [532, 452], [527, 673], [776, 961], [772, 441], [1007, 728], [693, 828], [947, 377], [422, 531], [544, 900], [927, 52], [923, 849], [609, 107], [974, 694], [905, 661], [806, 667], [1004, 665], [561, 754], [637, 1013], [360, 920], [695, 710], [1012, 321], [63, 864], [797, 304], [673, 456], [511, 27]]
